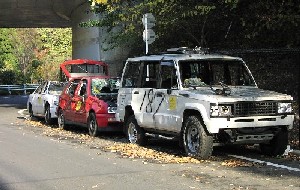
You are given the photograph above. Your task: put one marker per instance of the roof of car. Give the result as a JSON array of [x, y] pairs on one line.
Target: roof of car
[[182, 54]]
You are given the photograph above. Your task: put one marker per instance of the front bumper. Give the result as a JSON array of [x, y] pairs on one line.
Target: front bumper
[[213, 125], [108, 122]]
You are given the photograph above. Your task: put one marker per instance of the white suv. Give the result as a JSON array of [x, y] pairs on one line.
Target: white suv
[[204, 99]]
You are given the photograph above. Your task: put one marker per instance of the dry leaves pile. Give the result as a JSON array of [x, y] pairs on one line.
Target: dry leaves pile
[[134, 151], [238, 163], [126, 150]]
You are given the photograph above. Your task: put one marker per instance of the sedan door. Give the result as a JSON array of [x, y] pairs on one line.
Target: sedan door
[[37, 101], [67, 99], [79, 100]]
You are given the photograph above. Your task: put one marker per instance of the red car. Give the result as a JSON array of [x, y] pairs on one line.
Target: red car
[[90, 101]]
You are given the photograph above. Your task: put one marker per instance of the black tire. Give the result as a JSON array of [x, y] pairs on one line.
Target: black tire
[[47, 115], [31, 116], [61, 120], [135, 134], [197, 142], [92, 125], [30, 111], [277, 145]]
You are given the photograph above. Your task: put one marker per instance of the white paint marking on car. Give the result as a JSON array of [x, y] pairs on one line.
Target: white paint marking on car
[[267, 163]]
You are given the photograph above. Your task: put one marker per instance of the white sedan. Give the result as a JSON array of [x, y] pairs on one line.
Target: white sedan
[[44, 100]]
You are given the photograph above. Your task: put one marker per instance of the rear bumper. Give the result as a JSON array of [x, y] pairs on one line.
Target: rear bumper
[[108, 122], [53, 112]]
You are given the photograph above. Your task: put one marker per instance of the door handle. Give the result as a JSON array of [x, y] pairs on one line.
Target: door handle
[[136, 92]]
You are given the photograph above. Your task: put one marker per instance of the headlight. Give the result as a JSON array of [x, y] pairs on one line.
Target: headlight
[[221, 110], [284, 108]]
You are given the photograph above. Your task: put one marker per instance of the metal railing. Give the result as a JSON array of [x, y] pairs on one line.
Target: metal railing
[[18, 88]]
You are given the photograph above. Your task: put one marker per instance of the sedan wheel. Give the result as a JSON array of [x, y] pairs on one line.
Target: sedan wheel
[[48, 119], [92, 125], [61, 120]]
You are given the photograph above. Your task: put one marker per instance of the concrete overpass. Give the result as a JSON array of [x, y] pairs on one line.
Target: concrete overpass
[[86, 42]]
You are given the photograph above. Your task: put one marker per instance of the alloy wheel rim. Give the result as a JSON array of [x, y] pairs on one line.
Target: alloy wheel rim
[[193, 139], [132, 133], [47, 115], [92, 126], [61, 120]]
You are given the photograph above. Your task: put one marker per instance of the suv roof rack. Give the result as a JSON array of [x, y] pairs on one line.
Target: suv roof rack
[[186, 50]]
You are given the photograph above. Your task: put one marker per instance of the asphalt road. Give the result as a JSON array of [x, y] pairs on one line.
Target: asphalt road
[[30, 160]]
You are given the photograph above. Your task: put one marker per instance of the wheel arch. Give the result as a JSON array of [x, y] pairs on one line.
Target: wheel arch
[[128, 112], [193, 112], [91, 111], [45, 105]]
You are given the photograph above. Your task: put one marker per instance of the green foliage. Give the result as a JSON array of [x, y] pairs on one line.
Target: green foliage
[[9, 77], [55, 48], [7, 58], [219, 24], [29, 55]]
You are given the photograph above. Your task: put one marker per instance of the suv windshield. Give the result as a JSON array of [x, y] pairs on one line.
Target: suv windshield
[[213, 72], [100, 86]]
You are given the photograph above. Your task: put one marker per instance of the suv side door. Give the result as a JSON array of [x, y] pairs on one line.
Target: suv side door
[[147, 94], [165, 115], [129, 91]]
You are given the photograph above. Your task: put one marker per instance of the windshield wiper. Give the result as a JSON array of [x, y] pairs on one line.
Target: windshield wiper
[[224, 91]]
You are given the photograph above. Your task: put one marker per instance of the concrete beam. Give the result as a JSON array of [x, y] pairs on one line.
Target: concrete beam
[[37, 13]]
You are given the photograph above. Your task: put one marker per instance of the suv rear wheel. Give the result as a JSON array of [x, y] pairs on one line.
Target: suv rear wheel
[[135, 134], [197, 143]]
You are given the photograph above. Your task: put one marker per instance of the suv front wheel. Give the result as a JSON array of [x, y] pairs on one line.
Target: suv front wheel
[[197, 143]]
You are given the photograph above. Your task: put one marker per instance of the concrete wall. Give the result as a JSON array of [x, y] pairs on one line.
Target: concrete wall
[[88, 42]]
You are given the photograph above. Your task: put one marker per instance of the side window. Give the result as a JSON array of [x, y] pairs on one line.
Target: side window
[[131, 74], [39, 89], [168, 76], [72, 87], [44, 88], [150, 74]]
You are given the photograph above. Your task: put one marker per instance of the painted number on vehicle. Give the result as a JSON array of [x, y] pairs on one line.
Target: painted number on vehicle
[[172, 102]]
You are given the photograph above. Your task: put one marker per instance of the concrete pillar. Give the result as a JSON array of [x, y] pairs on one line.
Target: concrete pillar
[[88, 43]]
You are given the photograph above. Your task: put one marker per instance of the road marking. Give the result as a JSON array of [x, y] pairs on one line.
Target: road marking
[[267, 163], [21, 112]]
